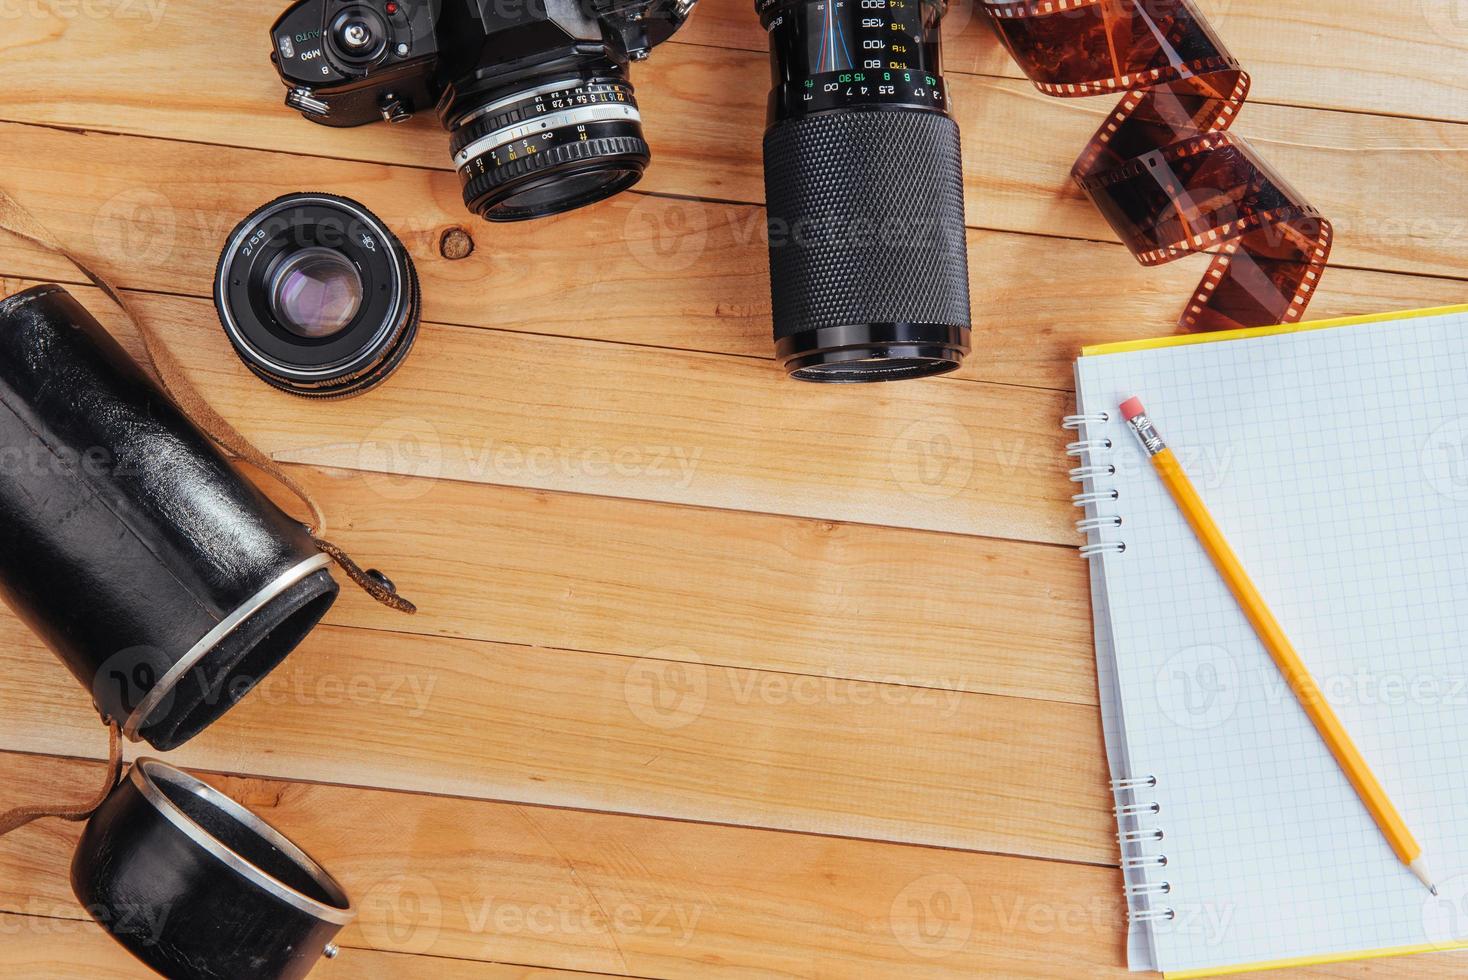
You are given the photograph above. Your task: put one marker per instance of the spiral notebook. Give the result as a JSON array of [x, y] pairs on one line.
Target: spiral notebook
[[1334, 455]]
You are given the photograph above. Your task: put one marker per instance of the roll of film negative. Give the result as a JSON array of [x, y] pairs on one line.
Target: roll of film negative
[[1163, 168]]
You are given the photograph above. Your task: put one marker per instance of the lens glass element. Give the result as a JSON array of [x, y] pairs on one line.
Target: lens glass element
[[315, 292]]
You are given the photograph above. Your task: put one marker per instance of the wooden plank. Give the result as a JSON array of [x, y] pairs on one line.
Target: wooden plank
[[615, 420], [1402, 59], [704, 114], [1021, 145], [1037, 301], [79, 949], [585, 891], [621, 576], [1351, 54], [657, 737], [688, 275]]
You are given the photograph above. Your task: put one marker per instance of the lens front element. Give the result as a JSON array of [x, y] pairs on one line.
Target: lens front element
[[315, 292]]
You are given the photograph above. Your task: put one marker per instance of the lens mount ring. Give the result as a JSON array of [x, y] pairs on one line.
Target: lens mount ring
[[339, 360], [867, 352]]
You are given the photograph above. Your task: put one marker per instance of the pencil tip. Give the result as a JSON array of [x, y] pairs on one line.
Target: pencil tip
[[1419, 868]]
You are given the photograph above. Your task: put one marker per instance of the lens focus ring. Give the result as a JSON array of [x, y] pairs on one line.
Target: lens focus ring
[[868, 258]]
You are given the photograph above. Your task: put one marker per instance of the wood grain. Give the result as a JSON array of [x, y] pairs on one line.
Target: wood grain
[[647, 271], [617, 894], [714, 431], [650, 711], [704, 111], [625, 895], [621, 576], [1400, 59], [78, 949], [648, 735]]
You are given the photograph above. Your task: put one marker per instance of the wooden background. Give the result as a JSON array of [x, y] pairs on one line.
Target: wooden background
[[717, 675]]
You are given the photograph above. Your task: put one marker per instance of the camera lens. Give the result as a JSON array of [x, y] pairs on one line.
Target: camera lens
[[543, 147], [864, 192], [317, 296]]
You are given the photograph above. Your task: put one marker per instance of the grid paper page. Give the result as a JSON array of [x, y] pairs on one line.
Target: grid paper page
[[1336, 463]]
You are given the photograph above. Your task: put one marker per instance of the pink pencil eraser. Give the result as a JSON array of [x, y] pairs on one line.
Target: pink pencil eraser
[[1131, 408]]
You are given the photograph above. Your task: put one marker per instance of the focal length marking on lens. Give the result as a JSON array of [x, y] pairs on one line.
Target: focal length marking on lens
[[609, 112], [566, 84]]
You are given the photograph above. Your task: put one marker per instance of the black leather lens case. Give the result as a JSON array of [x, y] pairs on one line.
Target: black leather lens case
[[166, 582]]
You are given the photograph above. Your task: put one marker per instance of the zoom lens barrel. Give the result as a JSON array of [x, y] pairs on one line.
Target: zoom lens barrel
[[864, 192], [549, 146]]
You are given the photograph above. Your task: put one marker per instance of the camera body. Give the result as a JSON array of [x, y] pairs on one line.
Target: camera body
[[389, 77], [534, 93]]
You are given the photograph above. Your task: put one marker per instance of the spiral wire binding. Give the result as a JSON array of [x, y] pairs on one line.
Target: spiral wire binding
[[1135, 814], [1086, 452], [1142, 896]]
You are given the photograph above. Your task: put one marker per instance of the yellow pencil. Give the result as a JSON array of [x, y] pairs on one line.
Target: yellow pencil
[[1272, 636]]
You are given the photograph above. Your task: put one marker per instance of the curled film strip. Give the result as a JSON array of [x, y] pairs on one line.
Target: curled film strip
[[1163, 168]]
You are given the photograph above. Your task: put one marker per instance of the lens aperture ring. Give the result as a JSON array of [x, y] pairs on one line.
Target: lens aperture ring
[[616, 149], [536, 106]]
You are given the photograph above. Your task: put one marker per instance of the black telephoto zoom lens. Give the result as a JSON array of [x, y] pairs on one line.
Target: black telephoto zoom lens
[[864, 192], [317, 296]]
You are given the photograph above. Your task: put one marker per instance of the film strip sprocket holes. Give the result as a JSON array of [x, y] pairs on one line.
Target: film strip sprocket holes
[[1163, 169]]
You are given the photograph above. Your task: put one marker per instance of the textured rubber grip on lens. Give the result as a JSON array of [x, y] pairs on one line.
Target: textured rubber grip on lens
[[866, 220]]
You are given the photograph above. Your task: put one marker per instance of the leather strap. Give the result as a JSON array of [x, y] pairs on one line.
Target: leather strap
[[18, 221], [22, 815]]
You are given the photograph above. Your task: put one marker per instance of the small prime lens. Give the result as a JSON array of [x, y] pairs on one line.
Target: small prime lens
[[317, 296], [864, 193]]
